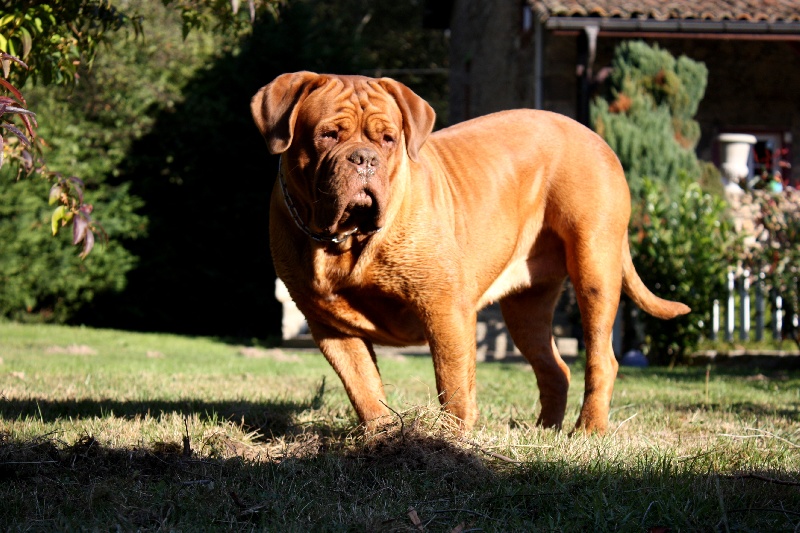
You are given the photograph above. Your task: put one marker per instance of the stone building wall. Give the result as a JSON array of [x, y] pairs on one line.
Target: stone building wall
[[490, 59]]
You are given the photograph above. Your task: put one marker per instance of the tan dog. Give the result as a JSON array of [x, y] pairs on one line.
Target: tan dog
[[385, 233]]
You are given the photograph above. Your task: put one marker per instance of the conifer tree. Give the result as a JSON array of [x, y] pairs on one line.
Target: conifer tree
[[646, 113]]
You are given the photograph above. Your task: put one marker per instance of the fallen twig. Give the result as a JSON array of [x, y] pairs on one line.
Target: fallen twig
[[764, 509], [490, 454], [762, 433], [237, 501], [400, 417], [197, 482], [520, 446], [26, 462], [467, 511], [624, 422]]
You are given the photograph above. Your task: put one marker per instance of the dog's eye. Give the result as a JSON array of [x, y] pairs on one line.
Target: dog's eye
[[388, 140], [330, 135]]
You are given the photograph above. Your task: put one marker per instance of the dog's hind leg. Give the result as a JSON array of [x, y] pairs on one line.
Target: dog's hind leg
[[595, 270], [529, 319], [354, 361]]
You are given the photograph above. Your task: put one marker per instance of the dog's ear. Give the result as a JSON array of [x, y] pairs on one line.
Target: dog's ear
[[418, 115], [275, 106]]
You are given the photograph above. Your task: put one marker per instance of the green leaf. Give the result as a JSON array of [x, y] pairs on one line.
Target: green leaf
[[27, 42], [56, 218], [55, 194]]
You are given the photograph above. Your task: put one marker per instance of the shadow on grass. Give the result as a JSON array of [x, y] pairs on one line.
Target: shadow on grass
[[411, 481], [266, 418]]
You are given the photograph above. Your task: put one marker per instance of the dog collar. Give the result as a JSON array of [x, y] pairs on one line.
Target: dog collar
[[287, 199]]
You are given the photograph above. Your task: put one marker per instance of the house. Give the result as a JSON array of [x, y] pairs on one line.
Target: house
[[550, 54]]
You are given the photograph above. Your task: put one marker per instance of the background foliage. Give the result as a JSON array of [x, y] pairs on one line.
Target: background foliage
[[775, 251], [683, 246], [58, 39], [164, 124], [681, 241], [87, 130]]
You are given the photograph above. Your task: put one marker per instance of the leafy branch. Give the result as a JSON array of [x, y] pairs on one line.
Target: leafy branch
[[26, 151], [57, 38]]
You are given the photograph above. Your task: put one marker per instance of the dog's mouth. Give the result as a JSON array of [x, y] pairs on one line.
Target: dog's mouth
[[358, 214], [361, 212]]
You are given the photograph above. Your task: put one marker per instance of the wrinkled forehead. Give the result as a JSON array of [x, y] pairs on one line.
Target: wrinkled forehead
[[353, 97]]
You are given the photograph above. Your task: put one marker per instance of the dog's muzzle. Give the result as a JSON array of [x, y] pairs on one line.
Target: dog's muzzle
[[350, 192]]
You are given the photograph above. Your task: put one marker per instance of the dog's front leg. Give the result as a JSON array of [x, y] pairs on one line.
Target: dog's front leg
[[354, 361], [451, 337]]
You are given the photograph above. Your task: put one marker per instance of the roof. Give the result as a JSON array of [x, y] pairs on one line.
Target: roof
[[662, 10]]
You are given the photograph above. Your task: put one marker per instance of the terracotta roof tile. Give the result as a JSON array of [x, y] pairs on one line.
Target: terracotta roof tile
[[713, 10]]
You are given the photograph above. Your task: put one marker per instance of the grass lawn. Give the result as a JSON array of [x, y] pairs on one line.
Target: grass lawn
[[109, 430]]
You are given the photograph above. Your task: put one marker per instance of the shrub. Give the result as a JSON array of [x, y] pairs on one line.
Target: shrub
[[775, 249], [682, 245]]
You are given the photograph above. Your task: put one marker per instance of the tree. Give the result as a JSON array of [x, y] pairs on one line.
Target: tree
[[60, 39], [646, 113], [206, 177], [59, 43], [57, 39]]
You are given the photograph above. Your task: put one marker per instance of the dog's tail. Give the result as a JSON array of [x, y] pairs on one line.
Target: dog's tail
[[634, 287]]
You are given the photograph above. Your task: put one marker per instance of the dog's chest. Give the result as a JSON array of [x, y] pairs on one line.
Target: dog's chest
[[366, 312], [356, 303]]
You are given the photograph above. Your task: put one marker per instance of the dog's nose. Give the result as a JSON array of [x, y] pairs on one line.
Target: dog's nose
[[364, 158]]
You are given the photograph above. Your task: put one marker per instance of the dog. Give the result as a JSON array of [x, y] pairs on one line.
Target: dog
[[387, 233]]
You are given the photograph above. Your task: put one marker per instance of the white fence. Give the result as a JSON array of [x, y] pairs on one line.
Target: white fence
[[768, 312]]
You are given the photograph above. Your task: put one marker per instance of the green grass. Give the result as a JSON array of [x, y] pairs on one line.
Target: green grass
[[112, 430]]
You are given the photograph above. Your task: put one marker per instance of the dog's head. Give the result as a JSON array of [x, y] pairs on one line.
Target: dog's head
[[344, 139]]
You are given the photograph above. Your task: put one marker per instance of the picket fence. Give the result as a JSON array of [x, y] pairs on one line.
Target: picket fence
[[765, 301]]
